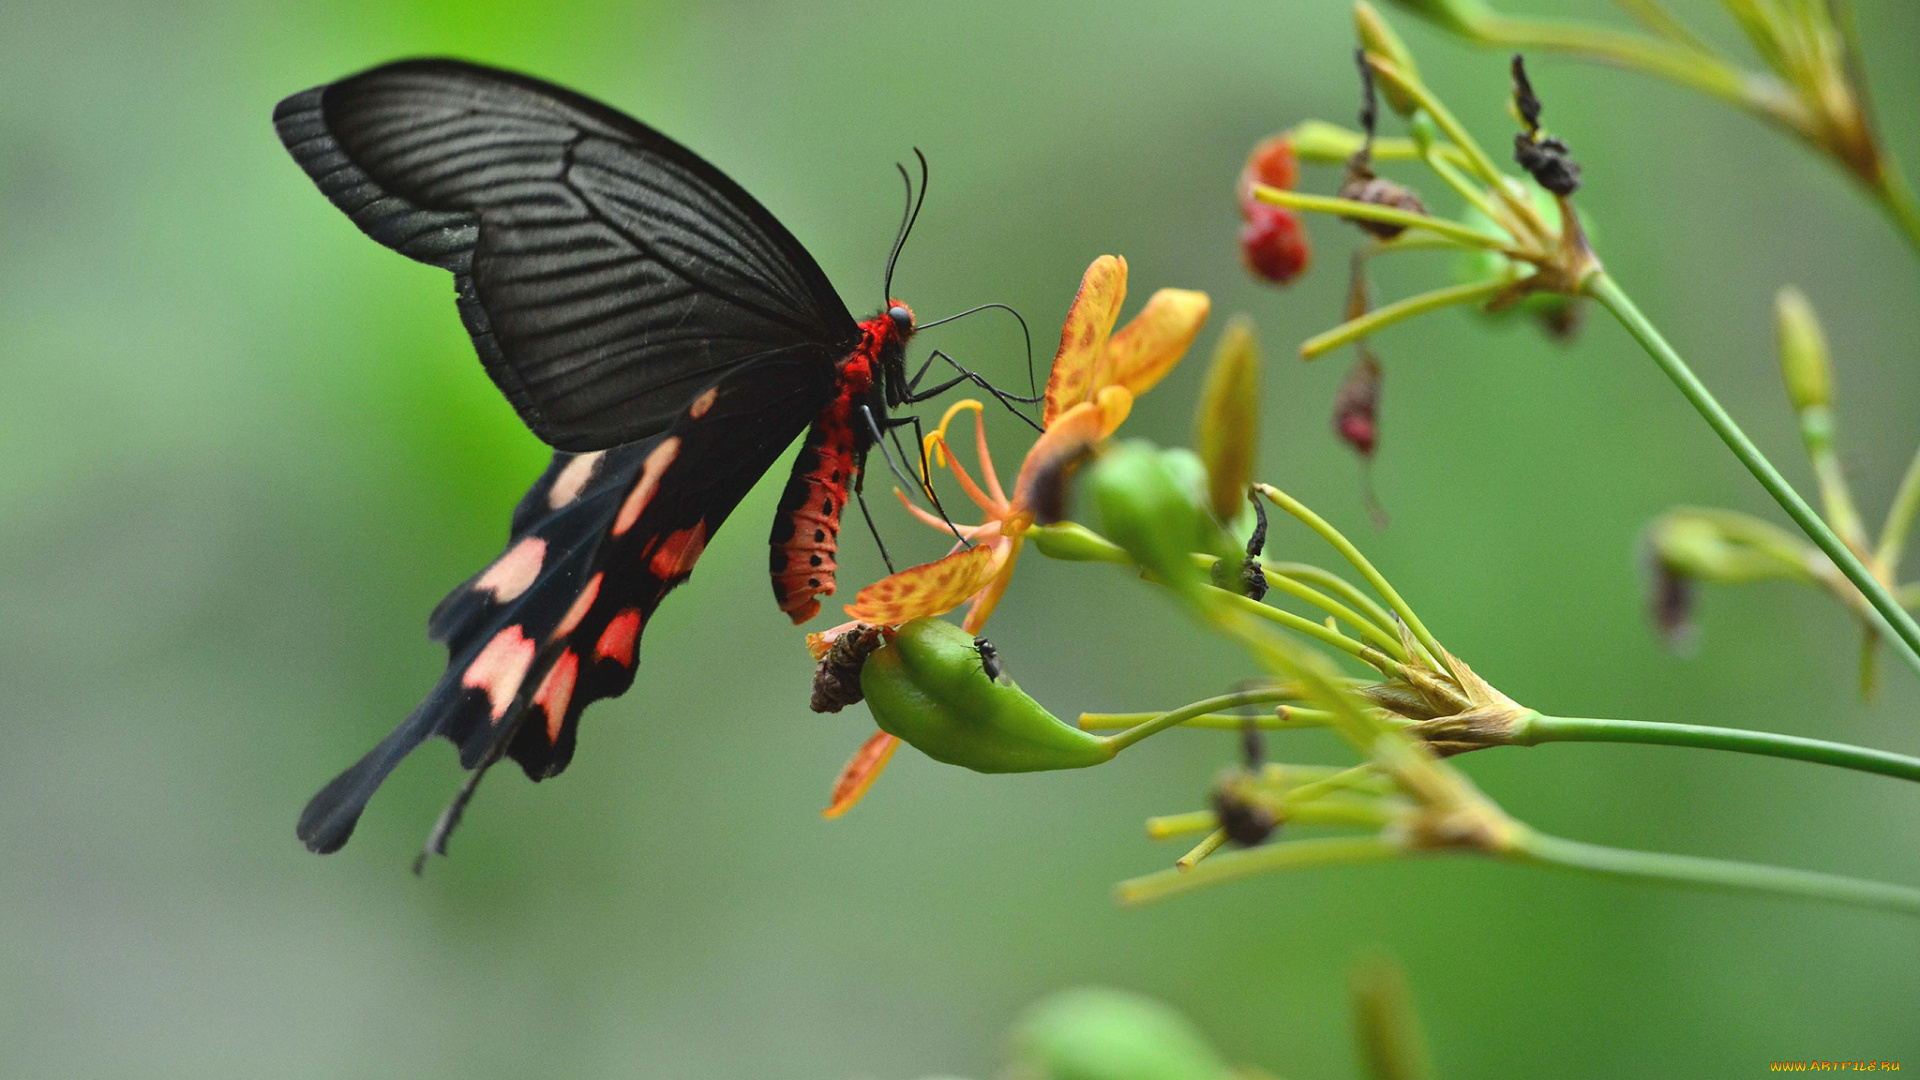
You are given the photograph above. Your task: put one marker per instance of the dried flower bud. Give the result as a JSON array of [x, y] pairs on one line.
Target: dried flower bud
[[1548, 160], [1356, 406], [836, 679], [1247, 821], [1803, 351], [1378, 39], [1273, 243], [1228, 419], [1670, 601], [1363, 186]]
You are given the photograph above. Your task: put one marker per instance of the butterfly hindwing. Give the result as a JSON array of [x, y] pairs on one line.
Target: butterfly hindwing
[[605, 273], [555, 622]]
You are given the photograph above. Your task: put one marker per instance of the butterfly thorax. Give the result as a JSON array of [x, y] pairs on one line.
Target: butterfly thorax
[[805, 541]]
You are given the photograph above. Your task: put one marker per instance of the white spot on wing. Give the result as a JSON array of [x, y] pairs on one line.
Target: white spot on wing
[[649, 482], [510, 576], [573, 479]]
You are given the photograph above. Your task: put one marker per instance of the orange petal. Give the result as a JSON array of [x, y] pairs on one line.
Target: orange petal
[[1071, 434], [933, 588], [989, 598], [1147, 348], [860, 772], [1090, 319]]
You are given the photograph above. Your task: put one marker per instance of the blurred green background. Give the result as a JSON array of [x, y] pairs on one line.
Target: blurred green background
[[243, 450]]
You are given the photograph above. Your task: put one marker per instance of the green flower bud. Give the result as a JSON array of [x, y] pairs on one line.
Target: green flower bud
[[930, 687], [1327, 144], [1146, 507], [1070, 541], [1094, 1034], [1378, 39], [1803, 351], [1465, 17], [1229, 418]]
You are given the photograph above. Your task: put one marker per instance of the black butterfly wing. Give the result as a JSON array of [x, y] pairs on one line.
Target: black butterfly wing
[[605, 273], [555, 622]]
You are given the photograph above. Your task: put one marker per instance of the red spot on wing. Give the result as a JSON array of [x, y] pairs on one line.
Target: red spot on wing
[[580, 607], [704, 402], [513, 572], [556, 692], [500, 668], [649, 482], [617, 640], [679, 551]]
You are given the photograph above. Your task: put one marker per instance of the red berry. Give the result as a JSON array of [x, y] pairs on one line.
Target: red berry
[[1273, 245], [1272, 162]]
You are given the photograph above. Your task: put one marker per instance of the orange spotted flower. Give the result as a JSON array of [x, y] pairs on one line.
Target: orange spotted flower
[[1096, 375]]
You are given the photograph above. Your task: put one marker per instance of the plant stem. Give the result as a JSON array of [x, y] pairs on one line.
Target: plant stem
[[1400, 310], [1213, 721], [1891, 619], [1297, 623], [1529, 846], [1535, 729], [1290, 855], [1359, 562]]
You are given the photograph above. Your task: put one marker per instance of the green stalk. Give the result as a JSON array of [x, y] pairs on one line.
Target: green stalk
[[1268, 858], [1535, 847], [1333, 583], [1375, 578], [1386, 215], [1190, 712], [1535, 729], [1400, 310], [1886, 613], [1893, 533]]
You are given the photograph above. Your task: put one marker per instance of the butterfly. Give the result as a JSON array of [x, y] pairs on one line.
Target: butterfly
[[649, 320]]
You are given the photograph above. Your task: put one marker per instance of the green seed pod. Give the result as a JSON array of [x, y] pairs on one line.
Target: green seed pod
[[1094, 1034], [930, 687]]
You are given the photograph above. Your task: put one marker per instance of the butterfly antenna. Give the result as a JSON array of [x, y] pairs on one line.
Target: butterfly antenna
[[908, 215]]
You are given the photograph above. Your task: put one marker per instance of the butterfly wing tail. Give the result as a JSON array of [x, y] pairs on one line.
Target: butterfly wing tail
[[328, 821]]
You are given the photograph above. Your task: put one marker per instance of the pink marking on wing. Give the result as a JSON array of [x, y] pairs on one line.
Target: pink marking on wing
[[580, 608], [500, 668], [679, 551], [510, 576], [556, 692], [573, 479], [616, 641], [704, 402], [642, 494]]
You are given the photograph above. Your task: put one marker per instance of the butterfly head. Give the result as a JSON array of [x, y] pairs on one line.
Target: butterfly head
[[900, 316]]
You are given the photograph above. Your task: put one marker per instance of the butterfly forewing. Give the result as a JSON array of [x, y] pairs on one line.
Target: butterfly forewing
[[605, 273]]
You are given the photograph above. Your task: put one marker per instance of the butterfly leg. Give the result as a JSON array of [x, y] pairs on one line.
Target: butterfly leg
[[879, 439], [914, 394]]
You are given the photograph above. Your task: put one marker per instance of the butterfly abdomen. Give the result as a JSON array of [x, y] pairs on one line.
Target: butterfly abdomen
[[806, 528]]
